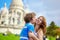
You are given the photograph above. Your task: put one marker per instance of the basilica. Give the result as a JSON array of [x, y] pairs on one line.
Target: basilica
[[12, 19]]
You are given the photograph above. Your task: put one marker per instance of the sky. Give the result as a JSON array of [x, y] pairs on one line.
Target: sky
[[50, 9]]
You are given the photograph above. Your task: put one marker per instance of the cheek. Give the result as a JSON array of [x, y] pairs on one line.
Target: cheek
[[34, 20], [38, 22]]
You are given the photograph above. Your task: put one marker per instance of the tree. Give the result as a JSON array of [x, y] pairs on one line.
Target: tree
[[51, 29]]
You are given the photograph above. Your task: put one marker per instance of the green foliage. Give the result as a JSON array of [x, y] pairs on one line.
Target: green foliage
[[51, 29], [51, 38], [8, 37]]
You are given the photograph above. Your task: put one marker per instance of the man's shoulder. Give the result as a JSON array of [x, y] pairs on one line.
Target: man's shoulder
[[30, 24]]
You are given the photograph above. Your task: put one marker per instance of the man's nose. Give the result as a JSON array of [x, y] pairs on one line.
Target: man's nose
[[36, 18]]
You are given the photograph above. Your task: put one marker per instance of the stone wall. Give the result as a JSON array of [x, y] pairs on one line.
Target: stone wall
[[14, 30]]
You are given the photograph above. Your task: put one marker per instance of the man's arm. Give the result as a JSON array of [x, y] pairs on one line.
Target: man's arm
[[31, 35], [30, 32]]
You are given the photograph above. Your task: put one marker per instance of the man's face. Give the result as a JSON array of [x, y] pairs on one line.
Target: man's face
[[34, 19]]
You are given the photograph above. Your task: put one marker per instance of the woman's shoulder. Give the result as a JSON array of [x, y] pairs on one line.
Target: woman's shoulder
[[40, 31]]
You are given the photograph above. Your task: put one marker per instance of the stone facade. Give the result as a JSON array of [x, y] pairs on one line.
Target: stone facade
[[12, 19]]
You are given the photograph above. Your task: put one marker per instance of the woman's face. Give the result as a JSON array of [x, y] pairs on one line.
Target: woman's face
[[39, 20]]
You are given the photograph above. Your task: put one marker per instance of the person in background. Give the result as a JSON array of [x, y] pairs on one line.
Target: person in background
[[57, 38], [46, 38]]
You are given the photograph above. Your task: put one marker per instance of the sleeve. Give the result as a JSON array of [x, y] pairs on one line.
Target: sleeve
[[30, 28]]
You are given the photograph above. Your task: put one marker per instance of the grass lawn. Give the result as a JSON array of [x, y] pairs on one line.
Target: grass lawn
[[14, 37], [51, 38], [9, 37]]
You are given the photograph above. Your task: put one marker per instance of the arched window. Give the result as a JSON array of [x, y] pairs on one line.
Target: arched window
[[9, 19], [19, 15], [13, 20], [3, 16], [2, 22], [10, 11]]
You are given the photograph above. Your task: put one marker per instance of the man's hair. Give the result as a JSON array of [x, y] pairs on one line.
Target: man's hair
[[28, 17]]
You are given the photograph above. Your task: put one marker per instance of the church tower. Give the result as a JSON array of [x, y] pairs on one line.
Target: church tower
[[4, 15], [17, 12]]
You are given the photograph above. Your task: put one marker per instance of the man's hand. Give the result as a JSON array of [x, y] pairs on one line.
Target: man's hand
[[31, 38], [31, 35]]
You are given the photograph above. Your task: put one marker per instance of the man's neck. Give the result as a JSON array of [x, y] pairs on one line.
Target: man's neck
[[31, 22]]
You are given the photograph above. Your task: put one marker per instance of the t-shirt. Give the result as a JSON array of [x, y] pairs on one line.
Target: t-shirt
[[29, 27]]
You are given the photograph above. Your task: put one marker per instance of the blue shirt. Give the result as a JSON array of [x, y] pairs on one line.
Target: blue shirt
[[26, 29]]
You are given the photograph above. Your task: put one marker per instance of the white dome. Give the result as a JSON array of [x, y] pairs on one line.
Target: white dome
[[4, 10], [16, 4]]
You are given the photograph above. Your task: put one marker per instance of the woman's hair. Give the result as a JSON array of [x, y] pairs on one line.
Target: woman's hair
[[28, 17], [43, 24]]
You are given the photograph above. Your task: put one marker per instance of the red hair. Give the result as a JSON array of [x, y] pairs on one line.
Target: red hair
[[43, 24]]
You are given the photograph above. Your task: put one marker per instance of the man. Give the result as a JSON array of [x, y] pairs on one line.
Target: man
[[28, 29]]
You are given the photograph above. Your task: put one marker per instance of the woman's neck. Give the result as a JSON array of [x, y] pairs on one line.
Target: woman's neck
[[35, 27]]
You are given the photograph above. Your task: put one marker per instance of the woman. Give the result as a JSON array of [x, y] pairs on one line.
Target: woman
[[40, 28]]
